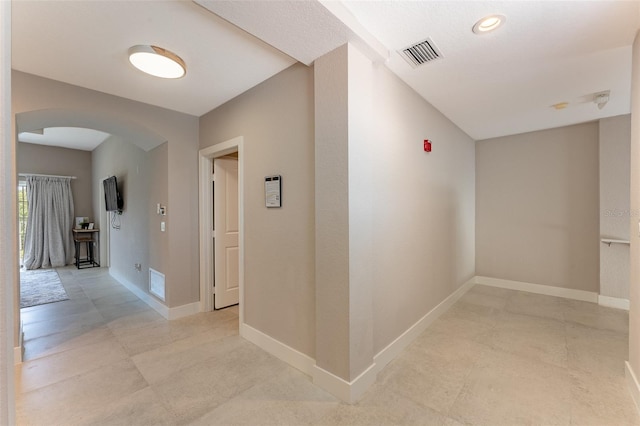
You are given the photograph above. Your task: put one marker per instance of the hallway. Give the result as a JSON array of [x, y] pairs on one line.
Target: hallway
[[497, 357]]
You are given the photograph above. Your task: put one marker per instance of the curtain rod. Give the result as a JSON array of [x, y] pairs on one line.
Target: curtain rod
[[51, 176]]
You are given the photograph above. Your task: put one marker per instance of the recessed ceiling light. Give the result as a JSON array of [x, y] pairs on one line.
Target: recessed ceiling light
[[157, 61], [489, 23], [561, 105]]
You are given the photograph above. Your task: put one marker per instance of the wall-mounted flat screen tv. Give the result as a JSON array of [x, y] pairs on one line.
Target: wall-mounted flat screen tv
[[112, 198]]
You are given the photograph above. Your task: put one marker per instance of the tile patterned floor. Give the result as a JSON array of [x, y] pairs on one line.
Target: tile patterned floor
[[497, 357]]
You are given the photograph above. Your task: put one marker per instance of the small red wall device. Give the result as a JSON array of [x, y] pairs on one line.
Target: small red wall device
[[427, 145]]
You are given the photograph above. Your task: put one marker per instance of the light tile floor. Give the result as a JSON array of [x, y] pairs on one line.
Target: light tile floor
[[497, 357]]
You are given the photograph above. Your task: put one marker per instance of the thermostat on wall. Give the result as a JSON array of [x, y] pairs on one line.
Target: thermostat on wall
[[272, 191]]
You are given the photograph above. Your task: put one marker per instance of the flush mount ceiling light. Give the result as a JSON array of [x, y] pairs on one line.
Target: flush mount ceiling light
[[157, 61], [489, 23]]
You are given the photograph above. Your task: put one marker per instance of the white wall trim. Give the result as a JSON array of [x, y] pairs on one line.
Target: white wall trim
[[352, 391], [205, 207], [17, 351], [278, 349], [142, 295], [613, 302], [9, 293], [166, 312], [349, 392], [632, 382], [567, 293], [206, 248], [184, 310], [393, 349]]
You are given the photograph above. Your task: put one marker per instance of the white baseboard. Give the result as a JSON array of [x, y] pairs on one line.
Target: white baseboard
[[393, 349], [613, 302], [340, 388], [166, 312], [346, 391], [142, 295], [17, 351], [567, 293], [184, 310], [349, 392], [632, 382], [278, 349], [352, 391]]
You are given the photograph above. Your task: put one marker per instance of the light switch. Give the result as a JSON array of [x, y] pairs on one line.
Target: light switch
[[162, 226]]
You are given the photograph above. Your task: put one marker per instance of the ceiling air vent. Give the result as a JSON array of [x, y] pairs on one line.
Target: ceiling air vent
[[421, 53]]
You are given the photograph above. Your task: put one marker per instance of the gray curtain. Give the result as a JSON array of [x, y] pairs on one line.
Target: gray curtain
[[48, 239]]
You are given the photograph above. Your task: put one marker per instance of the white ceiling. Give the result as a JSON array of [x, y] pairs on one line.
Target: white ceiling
[[505, 82], [85, 43], [66, 137], [491, 85]]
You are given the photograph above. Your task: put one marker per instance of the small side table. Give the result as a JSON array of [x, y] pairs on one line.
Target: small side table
[[89, 237]]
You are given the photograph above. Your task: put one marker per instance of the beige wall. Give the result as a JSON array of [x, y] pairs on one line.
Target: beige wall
[[423, 207], [634, 281], [537, 207], [130, 243], [276, 120], [153, 125], [332, 221], [53, 160], [361, 211], [615, 139], [344, 215]]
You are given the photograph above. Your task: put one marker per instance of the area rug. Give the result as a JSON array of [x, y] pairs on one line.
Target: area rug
[[40, 286]]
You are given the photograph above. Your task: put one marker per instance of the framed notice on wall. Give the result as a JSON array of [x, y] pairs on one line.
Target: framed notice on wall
[[273, 191]]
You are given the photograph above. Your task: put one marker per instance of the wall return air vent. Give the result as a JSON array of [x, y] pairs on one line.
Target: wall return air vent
[[421, 53]]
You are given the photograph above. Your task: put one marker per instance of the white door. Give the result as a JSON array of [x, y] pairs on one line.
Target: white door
[[226, 252]]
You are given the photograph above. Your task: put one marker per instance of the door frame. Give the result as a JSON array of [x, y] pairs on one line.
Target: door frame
[[205, 202]]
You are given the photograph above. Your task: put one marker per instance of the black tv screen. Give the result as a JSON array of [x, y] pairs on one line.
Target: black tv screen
[[112, 198]]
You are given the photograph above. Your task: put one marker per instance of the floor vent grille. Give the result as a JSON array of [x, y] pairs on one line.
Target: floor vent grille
[[156, 283]]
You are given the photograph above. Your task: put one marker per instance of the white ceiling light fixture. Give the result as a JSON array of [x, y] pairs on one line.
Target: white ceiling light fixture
[[489, 23], [157, 61]]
